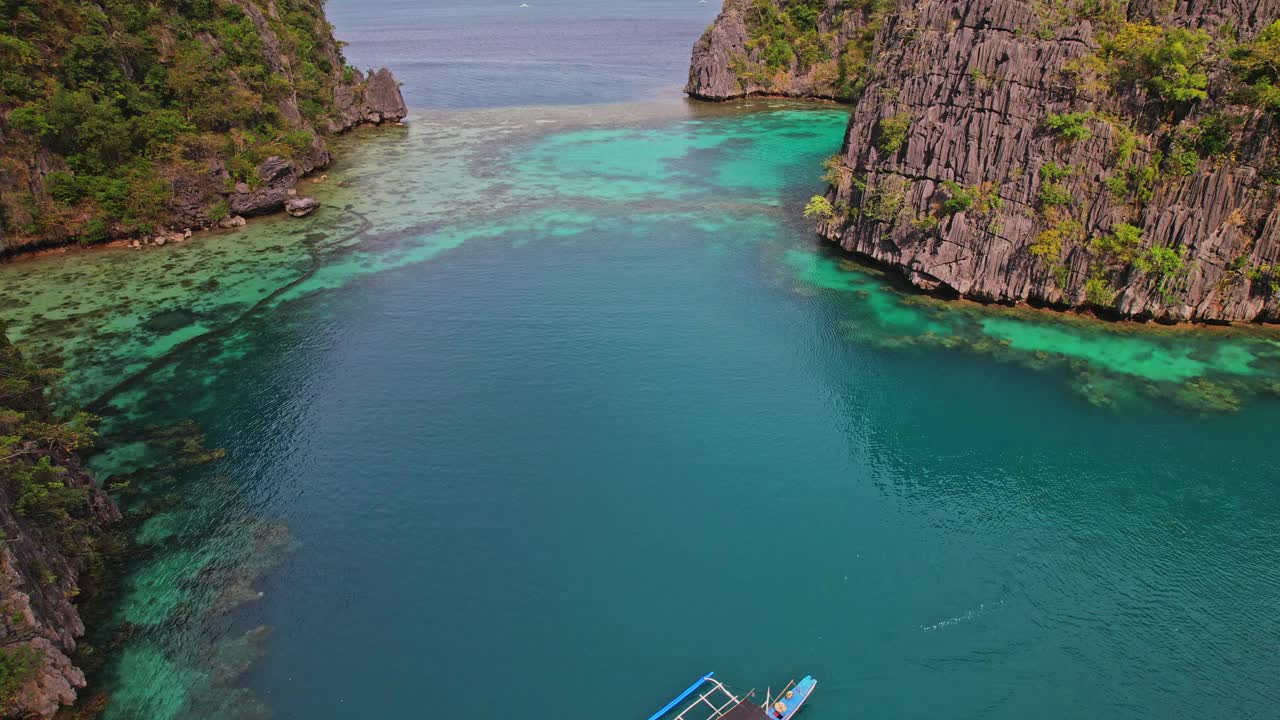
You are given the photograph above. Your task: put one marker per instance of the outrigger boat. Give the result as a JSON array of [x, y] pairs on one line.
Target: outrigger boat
[[709, 699]]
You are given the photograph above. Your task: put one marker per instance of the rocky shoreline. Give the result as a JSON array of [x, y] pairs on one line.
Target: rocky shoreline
[[998, 152], [219, 116], [373, 102]]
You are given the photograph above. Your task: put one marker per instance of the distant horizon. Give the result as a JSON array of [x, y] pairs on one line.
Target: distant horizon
[[449, 55]]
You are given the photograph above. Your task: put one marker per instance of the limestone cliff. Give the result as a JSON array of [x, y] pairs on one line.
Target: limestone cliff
[[1116, 155], [55, 523], [750, 50], [123, 119]]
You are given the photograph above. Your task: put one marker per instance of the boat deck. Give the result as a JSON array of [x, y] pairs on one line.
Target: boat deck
[[709, 699]]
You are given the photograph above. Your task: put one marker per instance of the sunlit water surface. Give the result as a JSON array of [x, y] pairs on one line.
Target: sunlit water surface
[[551, 410]]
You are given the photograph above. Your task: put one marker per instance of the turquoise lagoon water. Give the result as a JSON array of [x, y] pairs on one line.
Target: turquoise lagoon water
[[551, 410]]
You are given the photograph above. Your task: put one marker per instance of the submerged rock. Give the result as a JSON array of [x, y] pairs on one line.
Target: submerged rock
[[301, 206], [169, 320]]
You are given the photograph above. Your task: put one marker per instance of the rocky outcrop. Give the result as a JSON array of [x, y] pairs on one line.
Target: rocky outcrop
[[357, 100], [712, 73], [727, 64], [259, 93], [39, 579], [951, 175], [374, 100]]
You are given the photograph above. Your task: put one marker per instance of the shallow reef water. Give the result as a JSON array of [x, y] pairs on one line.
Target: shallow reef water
[[520, 174], [528, 365]]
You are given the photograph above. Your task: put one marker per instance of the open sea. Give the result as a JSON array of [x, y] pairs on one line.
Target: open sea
[[558, 405]]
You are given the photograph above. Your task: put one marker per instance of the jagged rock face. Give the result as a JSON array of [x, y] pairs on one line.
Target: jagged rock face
[[55, 526], [976, 81], [726, 66], [711, 75], [375, 100]]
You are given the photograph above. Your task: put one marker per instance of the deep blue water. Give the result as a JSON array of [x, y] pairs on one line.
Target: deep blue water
[[493, 52], [521, 471]]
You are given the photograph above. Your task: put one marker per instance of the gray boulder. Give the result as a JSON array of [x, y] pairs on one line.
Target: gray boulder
[[301, 206]]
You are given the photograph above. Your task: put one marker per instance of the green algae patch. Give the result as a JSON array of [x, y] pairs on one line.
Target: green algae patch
[[779, 151], [1111, 365], [158, 528], [1152, 358], [157, 589], [154, 687], [758, 155], [875, 303]]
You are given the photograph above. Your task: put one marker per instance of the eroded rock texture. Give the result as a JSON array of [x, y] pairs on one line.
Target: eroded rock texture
[[974, 82]]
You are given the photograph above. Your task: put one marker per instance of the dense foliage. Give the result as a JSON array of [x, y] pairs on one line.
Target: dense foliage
[[787, 34], [1171, 62], [1258, 65], [124, 94], [803, 36], [892, 132], [33, 440]]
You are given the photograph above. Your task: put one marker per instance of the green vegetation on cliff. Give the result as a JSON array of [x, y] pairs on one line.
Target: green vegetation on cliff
[[103, 103], [806, 37], [17, 666], [54, 522], [787, 34], [1258, 65], [37, 445]]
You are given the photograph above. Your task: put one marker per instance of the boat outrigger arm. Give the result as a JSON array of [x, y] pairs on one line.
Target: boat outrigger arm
[[683, 696], [718, 702]]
